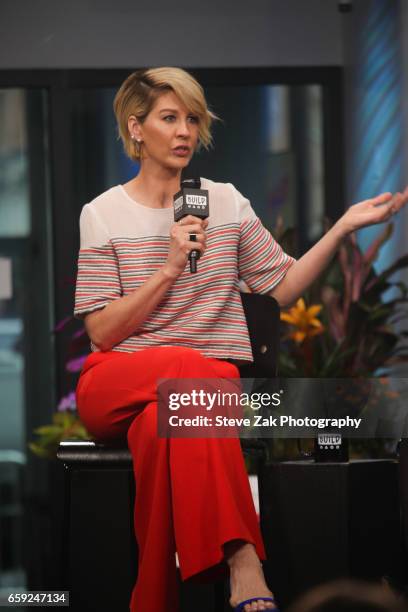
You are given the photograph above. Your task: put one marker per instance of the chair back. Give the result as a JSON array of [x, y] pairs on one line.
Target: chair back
[[262, 314]]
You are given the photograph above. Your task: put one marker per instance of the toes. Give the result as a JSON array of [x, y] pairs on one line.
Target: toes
[[256, 606], [259, 605]]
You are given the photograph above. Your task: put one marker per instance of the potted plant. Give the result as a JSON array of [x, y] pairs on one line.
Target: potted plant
[[344, 328]]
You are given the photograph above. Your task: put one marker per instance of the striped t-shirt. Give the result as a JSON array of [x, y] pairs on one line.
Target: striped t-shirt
[[124, 242]]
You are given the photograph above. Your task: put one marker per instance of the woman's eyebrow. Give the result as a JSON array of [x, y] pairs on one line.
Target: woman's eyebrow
[[172, 110]]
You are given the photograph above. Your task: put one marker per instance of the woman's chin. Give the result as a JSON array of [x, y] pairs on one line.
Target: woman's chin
[[179, 163]]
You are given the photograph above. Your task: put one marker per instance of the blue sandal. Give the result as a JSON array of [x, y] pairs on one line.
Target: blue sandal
[[240, 607]]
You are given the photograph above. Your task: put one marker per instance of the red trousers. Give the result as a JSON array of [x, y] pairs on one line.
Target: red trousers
[[192, 495]]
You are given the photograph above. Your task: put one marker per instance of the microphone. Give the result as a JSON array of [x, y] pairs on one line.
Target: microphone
[[191, 200]]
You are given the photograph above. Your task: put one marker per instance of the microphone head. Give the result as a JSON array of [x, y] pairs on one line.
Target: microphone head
[[194, 183], [191, 201]]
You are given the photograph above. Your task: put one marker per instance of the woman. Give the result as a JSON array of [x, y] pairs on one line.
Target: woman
[[148, 317]]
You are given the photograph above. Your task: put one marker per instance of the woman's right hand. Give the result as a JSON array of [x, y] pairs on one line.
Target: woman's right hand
[[181, 245]]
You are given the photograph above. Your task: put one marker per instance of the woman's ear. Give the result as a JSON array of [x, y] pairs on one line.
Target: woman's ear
[[135, 128]]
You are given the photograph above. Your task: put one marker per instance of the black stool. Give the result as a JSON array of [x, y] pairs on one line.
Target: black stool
[[100, 550], [100, 555]]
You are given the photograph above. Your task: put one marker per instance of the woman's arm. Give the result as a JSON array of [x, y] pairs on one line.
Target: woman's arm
[[123, 316], [308, 268]]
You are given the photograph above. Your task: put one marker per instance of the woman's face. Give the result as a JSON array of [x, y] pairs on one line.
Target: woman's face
[[169, 133]]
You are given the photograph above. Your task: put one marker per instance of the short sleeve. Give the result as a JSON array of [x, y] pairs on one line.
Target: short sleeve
[[98, 279], [262, 263]]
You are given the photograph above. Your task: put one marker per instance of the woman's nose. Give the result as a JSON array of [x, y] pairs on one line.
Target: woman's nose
[[183, 128]]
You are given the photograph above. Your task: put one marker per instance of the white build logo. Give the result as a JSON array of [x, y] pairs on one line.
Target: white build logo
[[178, 204], [329, 441], [196, 201]]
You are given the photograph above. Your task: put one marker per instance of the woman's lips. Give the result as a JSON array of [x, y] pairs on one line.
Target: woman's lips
[[181, 151]]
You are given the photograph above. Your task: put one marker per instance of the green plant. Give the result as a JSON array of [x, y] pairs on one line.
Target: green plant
[[345, 328], [64, 425], [357, 336]]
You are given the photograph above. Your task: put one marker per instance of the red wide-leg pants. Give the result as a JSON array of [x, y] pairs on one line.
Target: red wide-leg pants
[[192, 494]]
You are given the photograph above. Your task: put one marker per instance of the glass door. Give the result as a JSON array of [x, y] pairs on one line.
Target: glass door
[[25, 274]]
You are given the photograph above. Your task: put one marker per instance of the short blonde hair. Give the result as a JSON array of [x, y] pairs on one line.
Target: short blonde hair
[[142, 88]]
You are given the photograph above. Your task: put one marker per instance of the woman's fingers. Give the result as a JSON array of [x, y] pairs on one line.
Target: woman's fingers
[[395, 201], [192, 228], [374, 210], [182, 234], [185, 230], [199, 237], [181, 244], [191, 219], [385, 205], [380, 199], [395, 204], [195, 246], [400, 200]]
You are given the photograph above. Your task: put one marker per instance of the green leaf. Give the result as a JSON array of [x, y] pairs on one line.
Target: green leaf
[[38, 450], [50, 437], [65, 419], [47, 429], [336, 359], [81, 431], [402, 262]]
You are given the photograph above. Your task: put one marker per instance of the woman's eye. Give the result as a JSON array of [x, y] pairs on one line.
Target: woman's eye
[[172, 118]]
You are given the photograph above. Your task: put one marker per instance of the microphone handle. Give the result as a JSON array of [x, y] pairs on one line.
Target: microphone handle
[[193, 256]]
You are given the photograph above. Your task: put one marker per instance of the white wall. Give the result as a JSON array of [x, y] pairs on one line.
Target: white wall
[[195, 33]]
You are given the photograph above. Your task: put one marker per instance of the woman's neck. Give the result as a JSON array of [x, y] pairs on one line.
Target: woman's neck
[[155, 189]]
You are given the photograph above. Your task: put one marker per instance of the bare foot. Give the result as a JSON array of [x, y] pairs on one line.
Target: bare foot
[[246, 576]]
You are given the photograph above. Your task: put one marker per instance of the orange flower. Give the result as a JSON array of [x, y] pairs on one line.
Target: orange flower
[[303, 320]]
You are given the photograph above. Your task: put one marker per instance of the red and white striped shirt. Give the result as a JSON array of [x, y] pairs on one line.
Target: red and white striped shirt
[[123, 243]]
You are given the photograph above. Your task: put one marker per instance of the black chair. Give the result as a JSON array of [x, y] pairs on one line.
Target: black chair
[[262, 315], [100, 552]]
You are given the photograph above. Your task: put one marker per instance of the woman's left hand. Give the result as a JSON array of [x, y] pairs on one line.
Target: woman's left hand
[[372, 211]]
